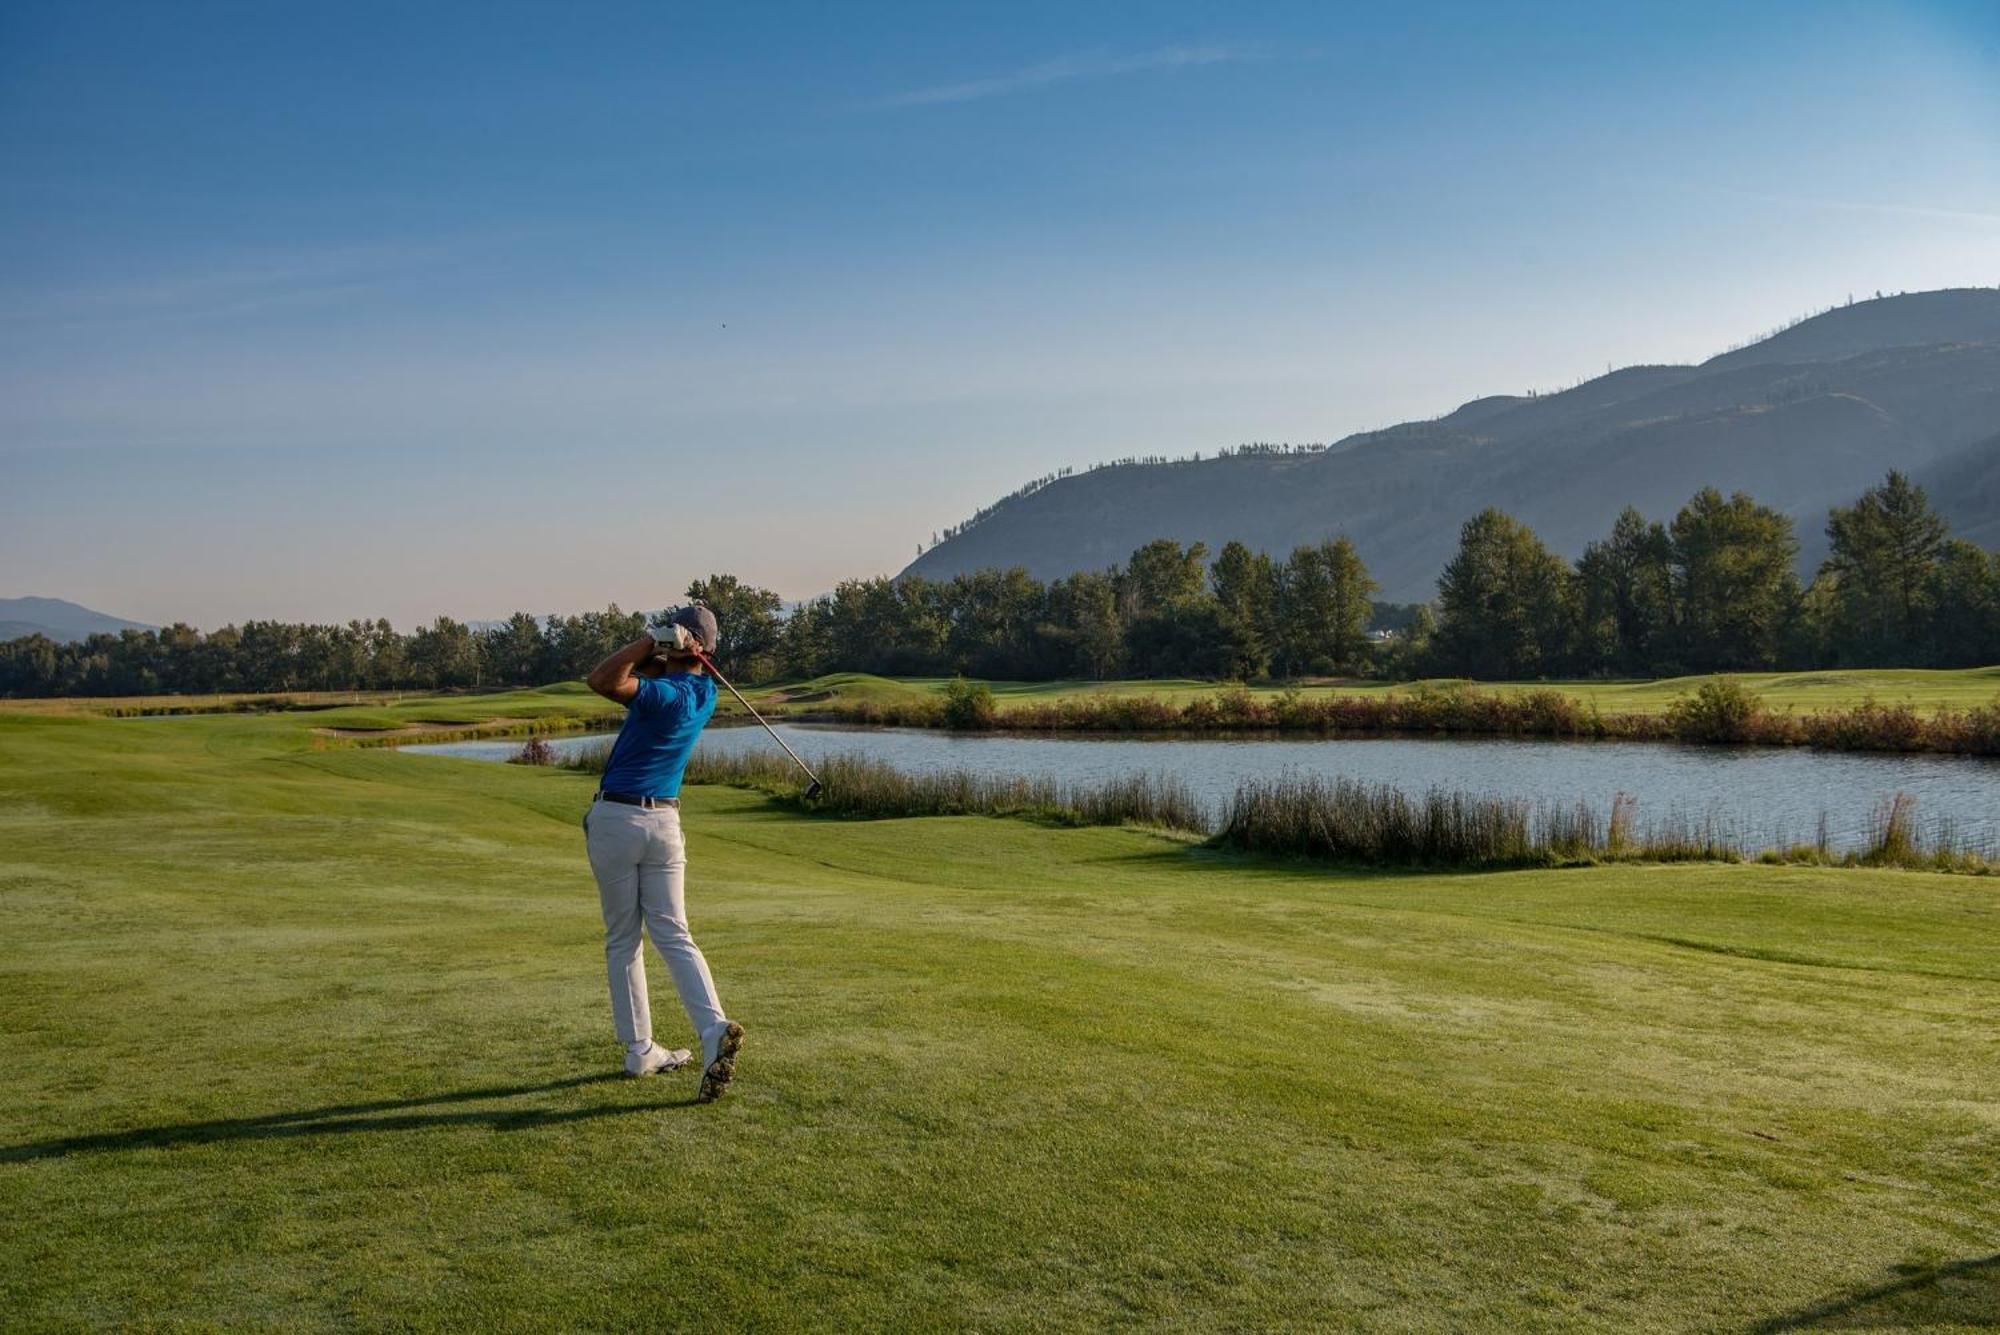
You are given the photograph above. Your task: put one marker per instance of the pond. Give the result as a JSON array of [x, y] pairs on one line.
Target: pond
[[1765, 796]]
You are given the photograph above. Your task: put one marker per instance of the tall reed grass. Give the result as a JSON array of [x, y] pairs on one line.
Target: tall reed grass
[[1375, 825], [858, 787]]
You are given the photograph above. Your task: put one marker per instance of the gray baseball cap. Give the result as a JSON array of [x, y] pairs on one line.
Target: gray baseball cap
[[700, 623]]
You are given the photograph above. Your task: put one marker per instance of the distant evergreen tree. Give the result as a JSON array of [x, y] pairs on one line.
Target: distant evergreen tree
[[442, 656], [993, 614], [879, 625], [1246, 590], [1625, 598], [750, 622], [1881, 567], [511, 653]]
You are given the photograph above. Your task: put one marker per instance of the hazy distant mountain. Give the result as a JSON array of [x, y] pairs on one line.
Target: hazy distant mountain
[[57, 619], [1967, 489], [1804, 419]]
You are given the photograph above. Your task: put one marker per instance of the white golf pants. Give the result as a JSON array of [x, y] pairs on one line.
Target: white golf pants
[[640, 861]]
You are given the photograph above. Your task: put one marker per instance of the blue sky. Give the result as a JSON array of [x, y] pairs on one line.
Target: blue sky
[[341, 310]]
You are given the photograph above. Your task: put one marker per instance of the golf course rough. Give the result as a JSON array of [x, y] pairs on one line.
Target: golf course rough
[[316, 1038]]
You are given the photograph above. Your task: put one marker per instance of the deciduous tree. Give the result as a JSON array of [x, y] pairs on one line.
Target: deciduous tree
[[1504, 603], [1733, 581], [1324, 602]]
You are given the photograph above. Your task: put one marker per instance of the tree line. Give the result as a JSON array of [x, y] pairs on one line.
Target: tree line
[[1713, 589], [1167, 612], [295, 656]]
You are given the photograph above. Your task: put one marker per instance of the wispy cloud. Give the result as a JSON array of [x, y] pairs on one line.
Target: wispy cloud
[[1977, 217], [1081, 65], [245, 283]]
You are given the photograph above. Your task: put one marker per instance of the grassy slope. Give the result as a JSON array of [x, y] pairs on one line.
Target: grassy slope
[[220, 703], [563, 700], [367, 710], [314, 1037], [1925, 688]]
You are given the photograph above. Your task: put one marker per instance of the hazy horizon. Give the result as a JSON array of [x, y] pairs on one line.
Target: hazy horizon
[[320, 315]]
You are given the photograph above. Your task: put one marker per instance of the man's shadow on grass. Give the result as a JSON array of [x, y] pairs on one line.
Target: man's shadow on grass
[[1957, 1293], [346, 1118]]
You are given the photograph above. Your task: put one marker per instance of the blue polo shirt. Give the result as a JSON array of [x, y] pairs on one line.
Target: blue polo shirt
[[661, 724]]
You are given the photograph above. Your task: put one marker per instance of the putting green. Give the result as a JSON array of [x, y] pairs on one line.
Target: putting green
[[318, 1038]]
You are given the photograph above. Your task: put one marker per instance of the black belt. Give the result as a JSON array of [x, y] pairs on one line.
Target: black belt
[[634, 800]]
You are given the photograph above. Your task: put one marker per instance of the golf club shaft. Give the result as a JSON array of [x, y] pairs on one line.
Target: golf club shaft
[[709, 663]]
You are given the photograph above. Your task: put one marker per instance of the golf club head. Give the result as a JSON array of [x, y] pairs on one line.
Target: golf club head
[[813, 789]]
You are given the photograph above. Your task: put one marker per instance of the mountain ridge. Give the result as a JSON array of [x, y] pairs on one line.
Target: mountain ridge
[[58, 619], [1804, 419]]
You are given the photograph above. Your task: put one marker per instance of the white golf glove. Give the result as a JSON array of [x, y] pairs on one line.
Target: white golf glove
[[672, 638]]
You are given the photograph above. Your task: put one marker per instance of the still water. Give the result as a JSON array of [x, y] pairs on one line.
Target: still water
[[1763, 796]]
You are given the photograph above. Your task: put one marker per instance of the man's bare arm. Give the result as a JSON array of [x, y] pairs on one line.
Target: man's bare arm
[[613, 678]]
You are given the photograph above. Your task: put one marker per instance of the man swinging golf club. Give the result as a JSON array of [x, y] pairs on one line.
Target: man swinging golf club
[[633, 833]]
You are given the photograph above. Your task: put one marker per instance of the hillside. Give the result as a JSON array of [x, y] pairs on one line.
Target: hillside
[[1803, 419], [1967, 491], [58, 619]]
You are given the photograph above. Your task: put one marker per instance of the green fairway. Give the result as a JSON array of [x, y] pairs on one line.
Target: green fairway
[[1925, 688], [312, 1037]]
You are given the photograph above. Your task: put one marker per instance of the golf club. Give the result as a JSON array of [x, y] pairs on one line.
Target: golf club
[[813, 786]]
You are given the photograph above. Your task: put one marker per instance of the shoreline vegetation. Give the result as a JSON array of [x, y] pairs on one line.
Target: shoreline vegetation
[[1336, 821], [1721, 712], [1954, 712]]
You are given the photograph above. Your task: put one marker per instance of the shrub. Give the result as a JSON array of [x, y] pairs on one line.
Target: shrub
[[1239, 709], [968, 706], [1722, 710], [1201, 714], [1114, 713], [1869, 726], [1547, 713], [1974, 731], [534, 752]]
